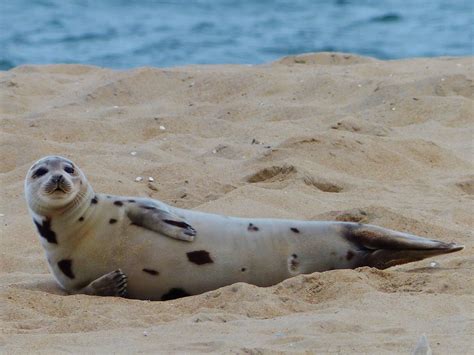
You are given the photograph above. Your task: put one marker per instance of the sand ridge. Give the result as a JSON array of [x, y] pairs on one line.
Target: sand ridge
[[316, 136]]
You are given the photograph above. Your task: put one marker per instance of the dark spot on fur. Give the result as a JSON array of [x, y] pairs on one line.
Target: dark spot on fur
[[174, 293], [65, 266], [94, 200], [81, 219], [118, 203], [199, 257], [132, 201], [295, 230], [151, 271], [294, 262], [108, 196], [349, 255], [112, 221], [243, 269], [252, 228], [45, 231]]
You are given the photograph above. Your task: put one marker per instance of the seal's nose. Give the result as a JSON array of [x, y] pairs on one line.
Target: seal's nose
[[57, 179]]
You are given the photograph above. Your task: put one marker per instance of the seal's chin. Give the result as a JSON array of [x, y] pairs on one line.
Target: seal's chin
[[58, 194]]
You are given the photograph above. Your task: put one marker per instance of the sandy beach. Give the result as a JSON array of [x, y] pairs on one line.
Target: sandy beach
[[316, 137]]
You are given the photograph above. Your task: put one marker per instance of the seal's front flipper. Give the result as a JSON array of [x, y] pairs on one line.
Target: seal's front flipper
[[161, 221], [382, 248], [112, 284]]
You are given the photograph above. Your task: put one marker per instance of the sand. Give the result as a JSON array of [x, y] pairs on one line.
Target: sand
[[317, 136]]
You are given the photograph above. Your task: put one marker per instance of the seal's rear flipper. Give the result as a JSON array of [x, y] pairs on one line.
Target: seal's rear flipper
[[382, 248]]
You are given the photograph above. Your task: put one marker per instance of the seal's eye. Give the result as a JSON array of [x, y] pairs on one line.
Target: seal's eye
[[39, 172], [69, 169]]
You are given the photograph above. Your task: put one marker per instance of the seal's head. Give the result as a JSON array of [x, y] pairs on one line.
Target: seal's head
[[54, 183]]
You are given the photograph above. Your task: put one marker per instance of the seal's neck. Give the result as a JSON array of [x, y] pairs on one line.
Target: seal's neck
[[79, 205]]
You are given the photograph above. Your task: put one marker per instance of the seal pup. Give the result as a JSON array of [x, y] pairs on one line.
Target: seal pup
[[142, 248]]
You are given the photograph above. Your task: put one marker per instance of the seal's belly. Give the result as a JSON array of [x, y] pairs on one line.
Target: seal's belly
[[156, 264], [226, 250]]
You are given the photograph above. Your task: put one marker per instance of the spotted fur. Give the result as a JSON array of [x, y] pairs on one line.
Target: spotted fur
[[174, 293], [65, 266], [45, 231], [151, 272], [200, 257], [293, 262], [252, 228]]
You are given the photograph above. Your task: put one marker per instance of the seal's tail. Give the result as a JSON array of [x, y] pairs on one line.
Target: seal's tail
[[382, 248]]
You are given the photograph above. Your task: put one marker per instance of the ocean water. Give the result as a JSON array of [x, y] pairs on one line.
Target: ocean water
[[126, 33]]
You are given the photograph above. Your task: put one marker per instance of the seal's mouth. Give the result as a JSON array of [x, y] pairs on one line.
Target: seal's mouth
[[57, 186], [55, 192], [59, 189]]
